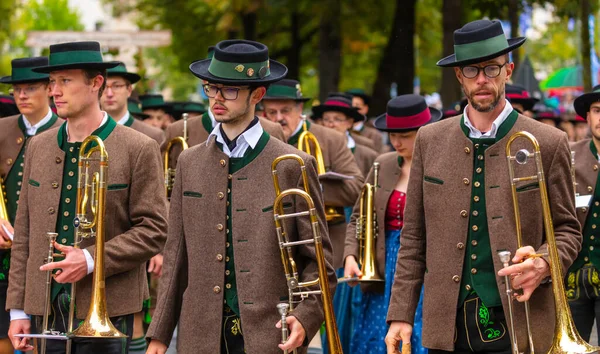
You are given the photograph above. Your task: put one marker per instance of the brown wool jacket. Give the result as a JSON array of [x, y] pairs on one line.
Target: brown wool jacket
[[363, 140], [157, 134], [191, 291], [11, 142], [586, 174], [136, 223], [337, 158], [435, 228], [364, 158], [389, 174], [375, 135]]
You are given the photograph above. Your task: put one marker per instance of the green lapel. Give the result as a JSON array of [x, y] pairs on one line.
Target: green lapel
[[293, 140], [102, 132], [129, 121], [207, 123], [503, 129], [44, 127], [237, 164]]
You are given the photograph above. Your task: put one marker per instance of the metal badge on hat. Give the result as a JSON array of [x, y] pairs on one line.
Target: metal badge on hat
[[239, 68], [250, 72]]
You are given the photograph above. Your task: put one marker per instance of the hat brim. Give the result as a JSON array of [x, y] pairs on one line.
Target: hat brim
[[527, 103], [141, 116], [351, 113], [582, 103], [281, 98], [131, 77], [381, 124], [200, 70], [8, 80], [100, 66], [165, 107], [450, 61]]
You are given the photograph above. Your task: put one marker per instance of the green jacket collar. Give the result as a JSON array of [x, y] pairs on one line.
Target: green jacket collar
[[207, 123], [503, 129], [293, 140], [129, 121], [102, 132], [44, 127]]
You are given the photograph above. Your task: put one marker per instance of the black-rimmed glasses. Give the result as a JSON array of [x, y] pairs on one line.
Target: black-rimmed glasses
[[228, 93], [490, 71]]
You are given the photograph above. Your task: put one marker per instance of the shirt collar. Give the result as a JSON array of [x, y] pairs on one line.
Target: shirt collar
[[298, 127], [32, 129], [359, 126], [249, 138], [212, 117], [351, 143], [124, 119], [104, 119], [475, 133]]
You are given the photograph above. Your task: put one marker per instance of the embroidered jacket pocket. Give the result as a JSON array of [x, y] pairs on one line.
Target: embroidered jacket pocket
[[192, 194], [270, 208], [432, 180], [116, 187], [528, 187], [34, 183]]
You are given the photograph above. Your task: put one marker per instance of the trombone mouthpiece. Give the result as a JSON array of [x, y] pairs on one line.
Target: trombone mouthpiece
[[504, 256], [51, 236], [521, 156], [283, 308]]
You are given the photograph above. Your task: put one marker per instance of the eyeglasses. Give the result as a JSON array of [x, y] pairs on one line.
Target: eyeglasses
[[116, 87], [27, 90], [490, 71], [228, 93]]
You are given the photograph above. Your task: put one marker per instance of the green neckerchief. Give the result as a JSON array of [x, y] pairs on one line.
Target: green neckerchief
[[129, 121], [40, 129], [503, 129], [102, 132], [400, 161], [207, 123], [293, 140]]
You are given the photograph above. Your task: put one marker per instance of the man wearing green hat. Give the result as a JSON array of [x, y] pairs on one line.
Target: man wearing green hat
[[119, 85], [361, 100], [135, 210], [284, 104], [223, 277], [460, 214], [30, 92], [156, 108]]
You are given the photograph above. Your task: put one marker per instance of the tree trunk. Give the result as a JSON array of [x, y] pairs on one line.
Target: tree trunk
[[249, 24], [293, 57], [397, 64], [330, 48], [453, 18], [513, 14], [585, 45]]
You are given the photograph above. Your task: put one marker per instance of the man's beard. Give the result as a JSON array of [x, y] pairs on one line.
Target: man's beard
[[234, 117], [480, 108]]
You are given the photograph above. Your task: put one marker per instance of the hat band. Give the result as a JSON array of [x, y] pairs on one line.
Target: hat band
[[404, 122], [26, 74], [480, 49], [152, 102], [239, 71], [517, 96], [337, 104], [75, 57], [283, 92]]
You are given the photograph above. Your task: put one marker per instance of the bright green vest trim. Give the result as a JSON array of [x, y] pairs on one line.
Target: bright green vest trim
[[102, 132], [236, 164], [293, 140], [207, 123]]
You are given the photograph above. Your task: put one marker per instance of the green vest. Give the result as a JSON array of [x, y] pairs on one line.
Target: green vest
[[68, 192], [478, 274], [12, 185], [236, 164]]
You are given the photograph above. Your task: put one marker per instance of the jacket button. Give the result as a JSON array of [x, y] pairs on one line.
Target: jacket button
[[50, 210], [595, 167], [460, 245], [473, 271], [456, 278], [220, 227], [468, 287], [219, 257], [9, 161], [54, 185], [19, 140], [220, 195], [58, 160], [474, 242], [466, 181], [467, 149], [223, 163], [589, 188], [475, 228], [584, 209], [217, 289], [464, 213]]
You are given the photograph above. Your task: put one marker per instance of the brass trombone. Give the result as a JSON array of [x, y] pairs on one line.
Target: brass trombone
[[168, 171], [366, 232], [3, 208], [295, 287], [305, 140], [566, 338]]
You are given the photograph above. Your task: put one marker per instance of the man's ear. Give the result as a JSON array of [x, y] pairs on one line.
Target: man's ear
[[258, 94], [458, 74], [97, 82]]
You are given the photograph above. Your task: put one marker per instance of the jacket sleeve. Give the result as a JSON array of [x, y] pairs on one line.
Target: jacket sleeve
[[410, 267], [342, 193]]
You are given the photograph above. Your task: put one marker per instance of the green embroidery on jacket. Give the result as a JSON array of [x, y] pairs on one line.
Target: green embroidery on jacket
[[34, 183], [492, 333], [433, 180], [484, 316]]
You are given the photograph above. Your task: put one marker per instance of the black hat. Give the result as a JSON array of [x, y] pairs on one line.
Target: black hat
[[406, 112], [239, 62], [582, 103], [360, 93], [285, 89], [75, 55], [479, 41], [121, 70], [339, 103], [8, 107], [22, 71], [518, 94]]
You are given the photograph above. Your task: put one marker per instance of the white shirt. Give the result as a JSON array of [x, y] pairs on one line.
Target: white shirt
[[351, 143], [298, 128], [123, 120], [17, 314], [358, 126], [475, 133], [249, 138], [212, 117], [32, 129]]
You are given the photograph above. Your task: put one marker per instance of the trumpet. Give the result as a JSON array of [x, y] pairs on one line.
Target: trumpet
[[3, 208], [176, 141], [295, 287], [305, 140], [366, 232], [566, 338]]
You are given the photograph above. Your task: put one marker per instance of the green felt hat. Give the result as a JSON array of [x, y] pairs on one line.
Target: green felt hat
[[134, 108], [153, 102], [479, 41], [121, 70], [239, 62], [582, 103], [22, 71], [210, 52], [75, 55], [179, 108], [285, 89], [360, 93]]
